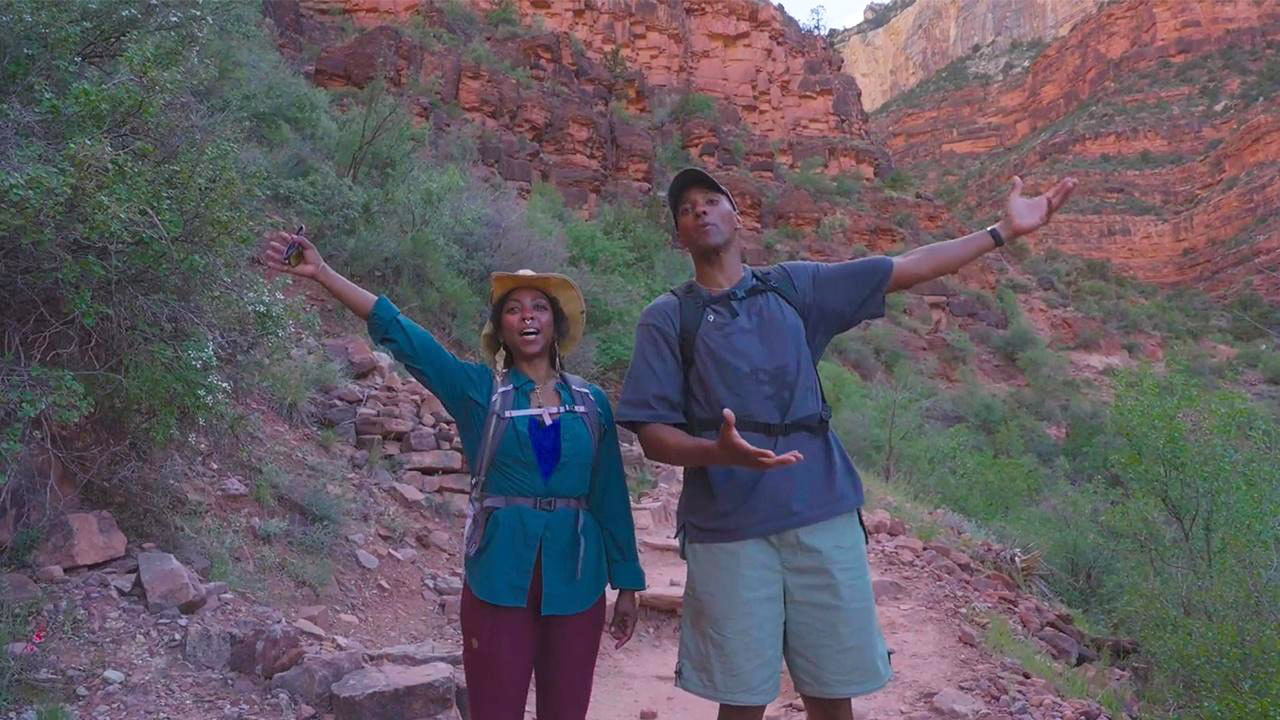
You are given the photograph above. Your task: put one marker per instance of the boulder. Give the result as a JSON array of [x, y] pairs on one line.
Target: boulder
[[80, 539], [167, 583], [394, 691]]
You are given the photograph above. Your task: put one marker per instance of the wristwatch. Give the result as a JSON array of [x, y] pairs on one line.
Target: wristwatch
[[996, 236]]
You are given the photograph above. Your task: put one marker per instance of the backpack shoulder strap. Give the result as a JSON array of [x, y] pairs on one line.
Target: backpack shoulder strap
[[582, 395], [690, 321], [495, 423], [780, 282]]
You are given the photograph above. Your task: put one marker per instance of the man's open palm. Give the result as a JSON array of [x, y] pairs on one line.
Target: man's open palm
[[1027, 214], [734, 450]]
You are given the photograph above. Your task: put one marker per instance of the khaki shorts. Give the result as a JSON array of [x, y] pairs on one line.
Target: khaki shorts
[[803, 595]]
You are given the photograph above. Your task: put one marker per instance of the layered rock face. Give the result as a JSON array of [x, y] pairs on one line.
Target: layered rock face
[[1167, 112], [748, 53], [929, 34], [606, 99]]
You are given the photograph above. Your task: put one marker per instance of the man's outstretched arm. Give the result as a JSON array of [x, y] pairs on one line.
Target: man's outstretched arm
[[1022, 215]]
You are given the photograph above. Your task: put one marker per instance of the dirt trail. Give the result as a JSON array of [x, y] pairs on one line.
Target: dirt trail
[[920, 622]]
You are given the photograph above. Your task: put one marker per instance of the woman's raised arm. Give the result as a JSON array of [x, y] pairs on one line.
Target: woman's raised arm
[[312, 266]]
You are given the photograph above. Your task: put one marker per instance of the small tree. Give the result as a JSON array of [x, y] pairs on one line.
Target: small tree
[[817, 21], [1194, 514]]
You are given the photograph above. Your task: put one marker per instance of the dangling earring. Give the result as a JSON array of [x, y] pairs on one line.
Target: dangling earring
[[555, 348], [500, 358]]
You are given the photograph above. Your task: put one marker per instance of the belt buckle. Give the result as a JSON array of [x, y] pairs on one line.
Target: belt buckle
[[544, 504]]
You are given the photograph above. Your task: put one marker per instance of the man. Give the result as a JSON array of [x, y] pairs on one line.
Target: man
[[724, 383]]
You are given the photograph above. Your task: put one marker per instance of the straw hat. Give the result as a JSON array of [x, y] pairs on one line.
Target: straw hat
[[560, 287]]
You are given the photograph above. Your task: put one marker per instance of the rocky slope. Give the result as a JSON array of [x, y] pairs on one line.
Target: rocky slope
[[1166, 111], [889, 58]]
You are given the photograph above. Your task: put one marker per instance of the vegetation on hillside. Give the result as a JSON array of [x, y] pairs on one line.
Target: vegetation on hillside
[[144, 147]]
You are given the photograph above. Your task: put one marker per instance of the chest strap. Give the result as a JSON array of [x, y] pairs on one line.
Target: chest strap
[[815, 424]]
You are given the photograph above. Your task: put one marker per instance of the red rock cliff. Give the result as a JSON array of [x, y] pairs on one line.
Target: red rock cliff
[[1168, 112], [607, 98]]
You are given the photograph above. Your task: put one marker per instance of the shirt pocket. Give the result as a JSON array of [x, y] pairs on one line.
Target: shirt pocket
[[572, 477]]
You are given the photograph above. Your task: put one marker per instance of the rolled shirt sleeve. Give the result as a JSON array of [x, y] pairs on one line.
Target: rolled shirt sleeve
[[458, 384]]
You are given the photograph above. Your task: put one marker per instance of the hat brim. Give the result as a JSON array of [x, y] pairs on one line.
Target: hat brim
[[694, 177], [555, 285]]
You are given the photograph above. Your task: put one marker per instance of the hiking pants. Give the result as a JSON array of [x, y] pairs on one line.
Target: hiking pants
[[503, 646]]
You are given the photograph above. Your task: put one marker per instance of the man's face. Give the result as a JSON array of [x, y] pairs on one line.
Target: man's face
[[705, 220]]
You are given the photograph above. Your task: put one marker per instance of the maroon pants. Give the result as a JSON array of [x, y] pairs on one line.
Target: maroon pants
[[503, 646]]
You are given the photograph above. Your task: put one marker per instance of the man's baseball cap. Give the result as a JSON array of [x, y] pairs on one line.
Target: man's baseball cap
[[694, 177]]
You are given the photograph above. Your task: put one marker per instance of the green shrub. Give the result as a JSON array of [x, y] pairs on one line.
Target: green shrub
[[694, 105], [1194, 519], [1263, 359], [504, 14], [671, 156], [832, 227], [1252, 317], [623, 259], [1088, 338], [885, 341], [973, 479], [1042, 365], [851, 350], [292, 383], [461, 17], [126, 215], [959, 349], [881, 422], [1019, 339], [15, 626], [898, 181]]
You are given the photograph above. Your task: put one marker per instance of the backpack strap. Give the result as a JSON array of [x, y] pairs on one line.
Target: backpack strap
[[783, 284], [495, 423], [582, 398], [780, 282], [692, 308]]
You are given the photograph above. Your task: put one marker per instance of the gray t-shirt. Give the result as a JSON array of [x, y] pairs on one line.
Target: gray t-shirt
[[755, 356]]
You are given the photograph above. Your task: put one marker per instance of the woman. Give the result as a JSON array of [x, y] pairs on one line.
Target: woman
[[555, 520]]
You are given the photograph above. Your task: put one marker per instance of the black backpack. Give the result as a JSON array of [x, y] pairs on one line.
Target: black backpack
[[692, 313]]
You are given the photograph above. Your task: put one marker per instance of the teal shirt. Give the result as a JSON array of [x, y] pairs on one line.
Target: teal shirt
[[502, 567]]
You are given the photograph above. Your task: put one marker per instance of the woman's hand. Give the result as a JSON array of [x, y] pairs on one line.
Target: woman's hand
[[625, 612], [273, 255], [357, 299]]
